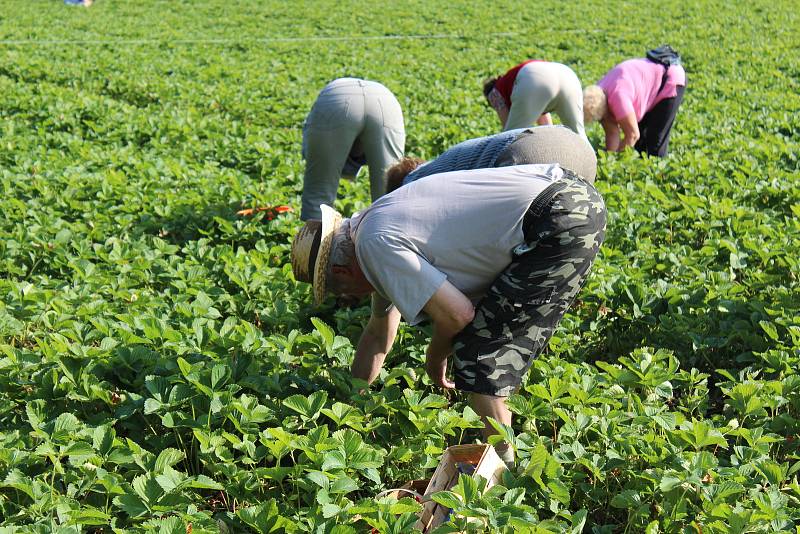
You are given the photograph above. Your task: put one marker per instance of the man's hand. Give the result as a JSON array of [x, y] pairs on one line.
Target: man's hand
[[375, 343], [450, 310], [437, 371]]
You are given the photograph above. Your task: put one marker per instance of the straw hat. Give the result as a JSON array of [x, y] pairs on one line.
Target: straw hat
[[311, 249], [552, 144]]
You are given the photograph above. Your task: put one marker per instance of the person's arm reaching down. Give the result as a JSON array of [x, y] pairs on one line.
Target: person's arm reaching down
[[631, 130], [375, 343], [502, 114], [497, 103], [450, 311], [613, 138]]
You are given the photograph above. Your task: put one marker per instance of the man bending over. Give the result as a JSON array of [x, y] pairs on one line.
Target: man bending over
[[493, 257]]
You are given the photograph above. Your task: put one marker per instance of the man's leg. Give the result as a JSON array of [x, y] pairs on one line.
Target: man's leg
[[383, 139], [489, 406], [330, 130], [517, 317]]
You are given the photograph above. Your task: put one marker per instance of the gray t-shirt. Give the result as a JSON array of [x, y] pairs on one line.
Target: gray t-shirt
[[459, 226]]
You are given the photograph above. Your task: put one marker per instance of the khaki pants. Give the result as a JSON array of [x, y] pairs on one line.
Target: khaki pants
[[352, 122], [543, 87]]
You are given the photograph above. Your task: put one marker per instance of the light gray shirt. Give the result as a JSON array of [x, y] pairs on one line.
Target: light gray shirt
[[459, 226]]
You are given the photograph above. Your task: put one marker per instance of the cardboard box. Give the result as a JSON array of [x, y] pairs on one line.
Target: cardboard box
[[409, 489], [481, 460]]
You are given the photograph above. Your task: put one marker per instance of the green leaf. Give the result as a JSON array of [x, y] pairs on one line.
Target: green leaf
[[334, 460], [325, 331], [668, 483], [536, 463], [343, 529], [88, 515], [184, 366], [219, 375], [559, 491], [665, 420], [65, 425], [168, 458], [343, 484], [131, 505], [18, 480], [405, 505], [170, 480], [78, 452], [447, 499], [330, 510], [467, 487], [771, 471], [627, 499], [147, 489], [103, 439], [263, 518], [171, 525], [308, 407], [35, 410], [769, 328], [205, 482], [152, 406], [577, 521]]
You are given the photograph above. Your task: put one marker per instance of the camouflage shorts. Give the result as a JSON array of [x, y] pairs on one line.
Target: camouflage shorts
[[519, 313]]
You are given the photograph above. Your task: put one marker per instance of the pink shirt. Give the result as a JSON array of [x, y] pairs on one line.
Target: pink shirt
[[632, 87]]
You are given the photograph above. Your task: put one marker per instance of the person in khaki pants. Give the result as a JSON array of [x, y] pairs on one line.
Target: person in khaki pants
[[353, 122], [533, 89]]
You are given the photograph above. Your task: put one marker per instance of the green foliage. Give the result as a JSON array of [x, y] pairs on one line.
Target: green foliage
[[162, 368]]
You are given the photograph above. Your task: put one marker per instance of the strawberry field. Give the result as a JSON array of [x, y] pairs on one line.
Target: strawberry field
[[161, 371]]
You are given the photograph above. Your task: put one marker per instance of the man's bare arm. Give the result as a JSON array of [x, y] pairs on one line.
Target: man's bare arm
[[450, 310], [375, 343]]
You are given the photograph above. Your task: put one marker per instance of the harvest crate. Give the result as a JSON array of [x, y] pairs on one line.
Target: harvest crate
[[409, 489], [482, 460]]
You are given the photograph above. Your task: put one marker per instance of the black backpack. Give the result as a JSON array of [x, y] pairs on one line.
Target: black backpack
[[665, 56]]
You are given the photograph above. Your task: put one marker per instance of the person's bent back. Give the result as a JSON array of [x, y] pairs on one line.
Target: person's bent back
[[636, 102], [543, 144], [529, 92]]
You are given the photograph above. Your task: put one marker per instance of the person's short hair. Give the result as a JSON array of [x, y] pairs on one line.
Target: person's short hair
[[397, 172], [595, 103], [488, 85]]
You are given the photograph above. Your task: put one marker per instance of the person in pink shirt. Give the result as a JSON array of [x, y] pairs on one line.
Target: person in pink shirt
[[636, 102]]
